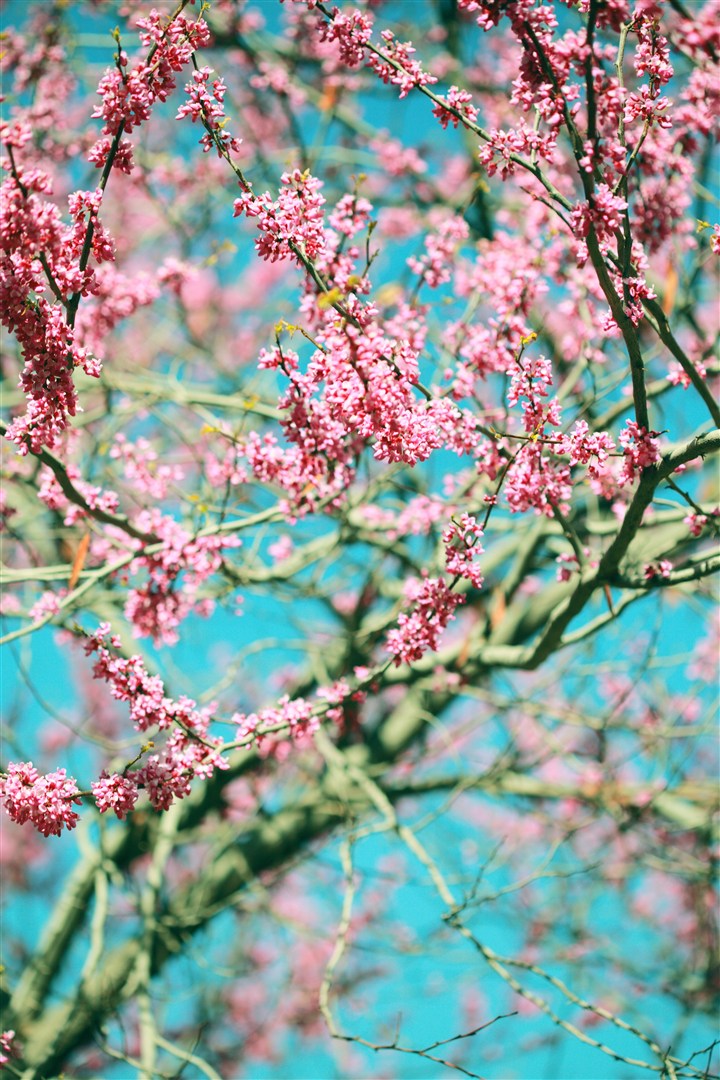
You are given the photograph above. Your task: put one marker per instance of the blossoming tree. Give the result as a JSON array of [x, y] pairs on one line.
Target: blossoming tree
[[360, 519]]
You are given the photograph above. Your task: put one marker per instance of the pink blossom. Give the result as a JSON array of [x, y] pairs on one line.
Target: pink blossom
[[7, 1046], [352, 31], [416, 518], [47, 606], [351, 215], [128, 96], [295, 218], [31, 225], [282, 549], [663, 568], [173, 575], [46, 801], [604, 212], [640, 449], [652, 56], [208, 107], [189, 751], [535, 481], [398, 222], [679, 377], [278, 80], [567, 565], [503, 146], [587, 448], [696, 523], [402, 70], [117, 793], [268, 728], [418, 632], [460, 102], [434, 266], [52, 495], [396, 159], [462, 544], [142, 467]]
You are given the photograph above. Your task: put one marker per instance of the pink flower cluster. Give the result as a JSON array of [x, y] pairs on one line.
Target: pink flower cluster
[[510, 282], [142, 467], [634, 290], [652, 58], [535, 481], [396, 159], [50, 493], [697, 522], [207, 106], [677, 375], [339, 694], [456, 102], [296, 218], [419, 631], [115, 296], [529, 381], [188, 752], [306, 477], [267, 729], [415, 519], [644, 105], [37, 252], [129, 681], [661, 569], [640, 449], [352, 31], [585, 447], [462, 545], [603, 212], [365, 384], [278, 80], [7, 1041], [42, 255], [497, 153], [360, 383], [45, 801], [567, 563], [168, 774], [174, 575], [397, 67], [115, 792], [128, 97], [556, 72], [47, 605], [435, 267], [351, 215]]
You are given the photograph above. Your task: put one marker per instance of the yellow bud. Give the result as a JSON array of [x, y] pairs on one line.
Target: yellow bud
[[327, 299]]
